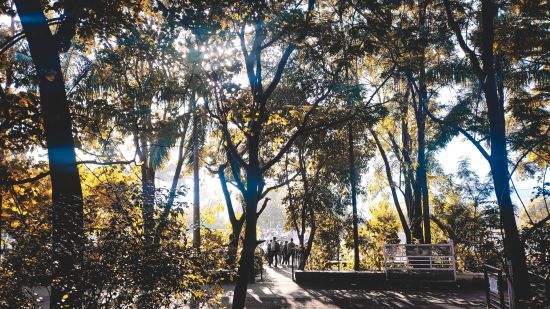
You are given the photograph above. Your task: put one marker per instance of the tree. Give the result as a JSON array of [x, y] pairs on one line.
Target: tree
[[67, 219], [314, 194], [381, 229], [261, 105], [464, 213], [387, 167], [488, 70], [152, 104]]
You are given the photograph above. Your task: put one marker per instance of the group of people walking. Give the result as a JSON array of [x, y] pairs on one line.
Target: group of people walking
[[277, 251]]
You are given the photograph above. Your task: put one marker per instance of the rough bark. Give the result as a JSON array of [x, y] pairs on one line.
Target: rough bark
[[67, 220]]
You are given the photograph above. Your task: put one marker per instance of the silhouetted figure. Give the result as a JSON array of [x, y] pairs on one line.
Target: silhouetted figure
[[285, 253], [277, 252], [291, 248], [270, 252]]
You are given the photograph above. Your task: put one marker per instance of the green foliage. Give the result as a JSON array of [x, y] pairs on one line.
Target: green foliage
[[114, 250], [274, 88], [464, 214], [380, 229]]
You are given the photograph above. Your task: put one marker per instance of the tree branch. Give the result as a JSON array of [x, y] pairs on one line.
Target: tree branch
[[266, 191], [228, 203], [476, 66], [27, 180], [263, 207], [476, 143]]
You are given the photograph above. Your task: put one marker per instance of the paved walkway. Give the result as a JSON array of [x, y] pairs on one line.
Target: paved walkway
[[279, 291]]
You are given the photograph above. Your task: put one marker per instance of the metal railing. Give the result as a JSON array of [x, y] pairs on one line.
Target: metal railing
[[404, 258], [500, 294], [494, 287]]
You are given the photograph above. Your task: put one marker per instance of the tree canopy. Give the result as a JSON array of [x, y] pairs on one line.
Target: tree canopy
[[336, 111]]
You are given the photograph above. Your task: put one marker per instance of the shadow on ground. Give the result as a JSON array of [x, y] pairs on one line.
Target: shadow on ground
[[279, 291]]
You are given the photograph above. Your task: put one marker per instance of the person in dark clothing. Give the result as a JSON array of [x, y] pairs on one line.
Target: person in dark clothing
[[277, 251], [285, 253], [270, 249], [291, 248]]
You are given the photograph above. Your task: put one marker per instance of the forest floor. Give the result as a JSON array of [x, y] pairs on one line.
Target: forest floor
[[278, 290]]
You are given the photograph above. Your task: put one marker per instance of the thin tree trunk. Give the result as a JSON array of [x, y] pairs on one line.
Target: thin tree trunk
[[67, 220], [353, 181], [147, 210], [402, 218], [423, 104], [236, 224], [294, 217], [196, 179], [148, 188], [174, 186], [307, 211], [307, 250]]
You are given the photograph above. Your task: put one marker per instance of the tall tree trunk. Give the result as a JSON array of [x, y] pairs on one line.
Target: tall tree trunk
[[307, 250], [353, 182], [514, 249], [246, 263], [174, 187], [147, 211], [307, 211], [421, 203], [421, 194], [148, 188], [402, 218], [413, 210], [196, 179], [254, 187], [67, 216]]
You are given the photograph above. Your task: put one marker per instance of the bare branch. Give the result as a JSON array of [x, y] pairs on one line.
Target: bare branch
[[27, 180], [281, 184], [263, 207]]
